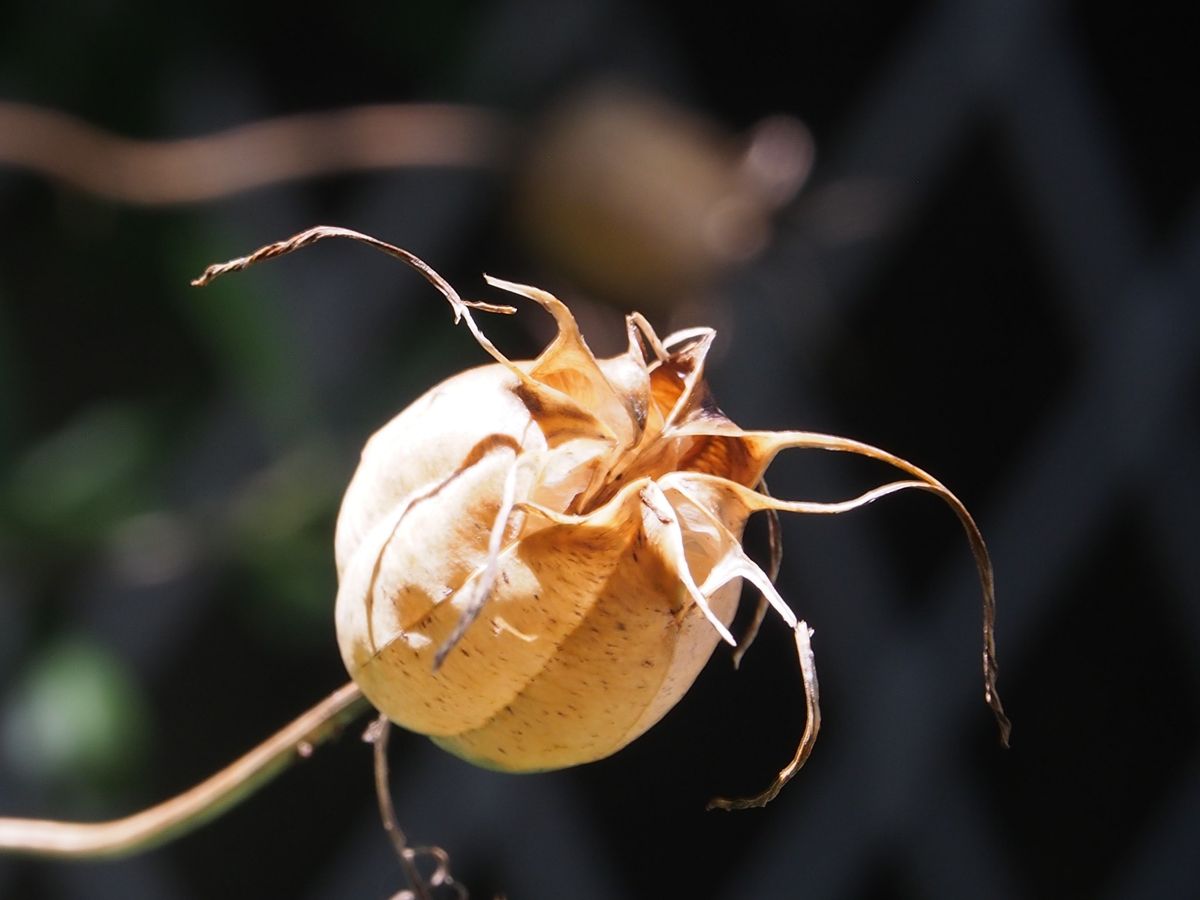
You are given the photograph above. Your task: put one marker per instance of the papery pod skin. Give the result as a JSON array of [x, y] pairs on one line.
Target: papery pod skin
[[589, 513], [589, 636], [536, 559]]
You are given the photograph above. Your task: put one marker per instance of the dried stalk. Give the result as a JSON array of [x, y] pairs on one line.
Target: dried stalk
[[270, 151], [193, 808], [420, 886]]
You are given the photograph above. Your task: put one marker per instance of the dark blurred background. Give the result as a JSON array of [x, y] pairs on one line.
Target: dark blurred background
[[967, 232]]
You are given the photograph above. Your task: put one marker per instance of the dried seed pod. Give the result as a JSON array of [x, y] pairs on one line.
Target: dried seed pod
[[537, 558]]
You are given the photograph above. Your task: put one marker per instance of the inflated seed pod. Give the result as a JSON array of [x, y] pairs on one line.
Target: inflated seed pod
[[537, 558]]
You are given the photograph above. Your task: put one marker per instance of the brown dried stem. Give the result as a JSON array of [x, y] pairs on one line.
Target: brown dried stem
[[321, 232], [377, 735], [270, 151], [193, 808]]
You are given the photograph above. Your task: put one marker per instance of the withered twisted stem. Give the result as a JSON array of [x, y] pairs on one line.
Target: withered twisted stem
[[377, 735]]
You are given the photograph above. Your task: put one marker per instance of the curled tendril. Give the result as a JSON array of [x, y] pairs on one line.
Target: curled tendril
[[421, 886]]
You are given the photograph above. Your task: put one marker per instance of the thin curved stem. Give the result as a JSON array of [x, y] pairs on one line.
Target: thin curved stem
[[377, 735], [270, 151], [462, 308], [420, 887], [193, 808]]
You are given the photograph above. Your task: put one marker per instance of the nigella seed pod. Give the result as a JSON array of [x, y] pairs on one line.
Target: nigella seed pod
[[536, 558]]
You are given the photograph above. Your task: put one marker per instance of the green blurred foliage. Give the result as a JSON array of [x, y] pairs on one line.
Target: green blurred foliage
[[76, 722], [74, 486], [280, 538]]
